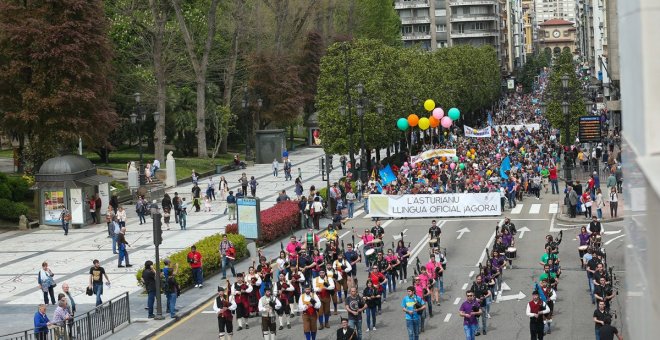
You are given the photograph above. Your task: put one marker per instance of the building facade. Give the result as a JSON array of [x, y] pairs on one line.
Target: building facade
[[554, 9], [423, 23], [557, 35]]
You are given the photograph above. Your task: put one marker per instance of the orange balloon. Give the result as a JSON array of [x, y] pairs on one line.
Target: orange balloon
[[472, 150], [444, 159], [413, 120], [434, 122]]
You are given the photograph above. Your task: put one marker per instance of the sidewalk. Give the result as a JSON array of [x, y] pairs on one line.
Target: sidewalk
[[70, 257]]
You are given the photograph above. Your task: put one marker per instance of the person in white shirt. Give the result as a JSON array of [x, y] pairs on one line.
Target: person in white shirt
[[309, 304], [223, 307], [324, 286], [276, 165], [154, 167], [268, 305]]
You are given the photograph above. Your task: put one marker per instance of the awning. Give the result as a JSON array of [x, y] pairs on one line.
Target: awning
[[79, 183], [94, 180]]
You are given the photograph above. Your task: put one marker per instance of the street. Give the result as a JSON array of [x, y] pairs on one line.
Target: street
[[465, 240]]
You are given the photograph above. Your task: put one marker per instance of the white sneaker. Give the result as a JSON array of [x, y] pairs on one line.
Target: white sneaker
[[400, 281], [373, 328], [367, 330], [200, 286], [488, 315], [196, 286]]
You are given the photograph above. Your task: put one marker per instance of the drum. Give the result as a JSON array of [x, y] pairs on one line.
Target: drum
[[582, 250], [433, 241], [371, 255], [376, 242], [511, 253]]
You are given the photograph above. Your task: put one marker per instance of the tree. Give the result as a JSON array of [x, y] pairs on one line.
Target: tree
[[289, 21], [564, 65], [199, 64], [55, 59], [308, 71], [378, 20]]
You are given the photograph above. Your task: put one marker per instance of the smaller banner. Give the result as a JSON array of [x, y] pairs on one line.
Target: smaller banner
[[444, 205], [477, 133], [518, 127], [433, 154], [248, 217], [76, 206]]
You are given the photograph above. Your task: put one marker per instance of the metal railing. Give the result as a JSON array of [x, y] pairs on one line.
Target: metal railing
[[94, 324]]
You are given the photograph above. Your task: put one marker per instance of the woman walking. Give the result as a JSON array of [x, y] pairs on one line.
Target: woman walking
[[614, 202], [253, 186], [223, 186], [46, 282], [121, 216], [599, 204]]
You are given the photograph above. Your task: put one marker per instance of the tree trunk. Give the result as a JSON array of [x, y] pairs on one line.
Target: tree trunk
[[230, 73], [201, 117], [161, 79]]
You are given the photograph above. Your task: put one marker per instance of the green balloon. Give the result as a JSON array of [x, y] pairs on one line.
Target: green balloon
[[461, 166], [454, 113], [402, 124], [455, 159]]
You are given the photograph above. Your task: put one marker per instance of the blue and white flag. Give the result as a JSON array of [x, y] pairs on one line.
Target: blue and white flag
[[504, 167], [387, 175]]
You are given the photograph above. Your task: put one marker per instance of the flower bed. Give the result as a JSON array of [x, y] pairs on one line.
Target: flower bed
[[208, 246], [276, 221]]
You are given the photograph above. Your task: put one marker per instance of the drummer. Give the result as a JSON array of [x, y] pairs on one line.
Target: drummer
[[367, 240], [507, 238], [510, 226], [595, 226], [377, 231], [434, 235], [583, 237]]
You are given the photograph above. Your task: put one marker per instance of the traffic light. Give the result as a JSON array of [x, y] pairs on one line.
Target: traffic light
[[158, 229]]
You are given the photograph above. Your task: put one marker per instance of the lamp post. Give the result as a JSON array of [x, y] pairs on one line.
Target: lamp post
[[365, 162], [565, 107], [249, 119], [351, 151], [137, 118]]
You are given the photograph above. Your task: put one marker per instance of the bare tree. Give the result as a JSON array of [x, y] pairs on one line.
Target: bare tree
[[289, 21]]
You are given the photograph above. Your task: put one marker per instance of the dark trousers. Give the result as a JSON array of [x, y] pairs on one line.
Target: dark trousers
[[572, 210], [536, 330], [613, 208], [225, 326], [52, 295]]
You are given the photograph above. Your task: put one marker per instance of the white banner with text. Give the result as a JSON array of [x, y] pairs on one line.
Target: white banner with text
[[440, 205]]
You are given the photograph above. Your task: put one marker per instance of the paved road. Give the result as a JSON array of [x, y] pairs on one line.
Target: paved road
[[573, 309]]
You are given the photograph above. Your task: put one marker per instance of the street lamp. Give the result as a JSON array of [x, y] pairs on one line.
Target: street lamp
[[137, 118], [361, 107], [567, 163], [347, 92]]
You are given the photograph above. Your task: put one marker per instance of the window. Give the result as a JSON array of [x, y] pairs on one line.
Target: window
[[441, 28], [460, 28], [480, 26], [440, 12], [478, 10], [406, 13], [441, 44], [407, 29], [566, 33], [422, 29]]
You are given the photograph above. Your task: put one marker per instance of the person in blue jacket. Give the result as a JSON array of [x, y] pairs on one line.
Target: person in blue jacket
[[41, 323]]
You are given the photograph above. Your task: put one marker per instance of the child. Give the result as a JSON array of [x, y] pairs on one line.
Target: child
[[207, 203]]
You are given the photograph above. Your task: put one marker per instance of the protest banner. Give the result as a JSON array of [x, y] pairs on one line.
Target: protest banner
[[477, 133], [439, 205]]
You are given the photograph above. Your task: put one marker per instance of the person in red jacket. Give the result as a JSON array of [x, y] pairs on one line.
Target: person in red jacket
[[195, 261], [553, 180], [379, 280]]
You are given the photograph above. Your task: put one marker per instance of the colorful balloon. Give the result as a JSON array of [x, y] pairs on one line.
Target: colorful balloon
[[472, 150], [454, 113], [446, 122], [455, 159], [434, 122], [402, 124], [413, 120], [429, 105], [452, 166], [461, 166], [438, 113], [424, 123]]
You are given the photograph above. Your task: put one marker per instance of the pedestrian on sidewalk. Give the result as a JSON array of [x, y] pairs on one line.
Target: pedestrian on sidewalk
[[155, 166], [141, 209], [244, 182], [210, 190], [600, 203], [149, 281], [253, 186], [299, 188], [114, 203], [116, 229], [231, 206], [176, 205], [172, 292], [183, 214], [614, 202], [71, 306], [194, 177], [195, 260], [92, 209], [98, 204], [65, 217], [342, 162], [287, 170], [350, 199], [275, 167], [109, 217], [227, 256], [123, 254], [554, 184], [41, 323], [121, 216], [315, 211], [96, 274], [223, 187], [572, 200], [196, 195], [46, 282]]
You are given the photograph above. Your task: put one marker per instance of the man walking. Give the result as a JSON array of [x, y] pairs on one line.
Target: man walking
[[227, 255], [96, 274], [412, 305], [123, 254], [535, 311], [470, 311], [231, 206], [355, 305], [71, 305], [149, 281], [195, 260], [572, 201]]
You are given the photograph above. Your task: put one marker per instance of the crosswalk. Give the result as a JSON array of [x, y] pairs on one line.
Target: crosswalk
[[520, 208]]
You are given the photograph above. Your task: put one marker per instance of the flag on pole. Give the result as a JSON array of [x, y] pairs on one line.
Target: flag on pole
[[504, 167]]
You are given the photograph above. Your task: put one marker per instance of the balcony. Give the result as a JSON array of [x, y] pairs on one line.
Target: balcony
[[415, 20], [472, 3], [474, 34], [470, 18], [400, 4], [416, 36]]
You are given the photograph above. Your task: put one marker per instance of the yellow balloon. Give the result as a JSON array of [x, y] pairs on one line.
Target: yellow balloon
[[429, 105], [467, 153], [489, 172], [473, 155], [424, 123]]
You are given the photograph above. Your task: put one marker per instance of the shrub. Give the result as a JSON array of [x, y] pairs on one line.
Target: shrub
[[5, 191], [19, 188], [11, 211], [208, 246], [276, 221]]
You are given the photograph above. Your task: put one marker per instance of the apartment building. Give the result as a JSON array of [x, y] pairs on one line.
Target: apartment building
[[423, 23], [554, 9]]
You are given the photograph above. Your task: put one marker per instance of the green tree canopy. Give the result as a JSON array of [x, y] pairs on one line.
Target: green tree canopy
[[564, 65], [378, 20]]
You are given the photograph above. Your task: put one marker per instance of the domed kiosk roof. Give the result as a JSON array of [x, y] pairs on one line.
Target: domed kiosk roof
[[65, 165], [68, 171]]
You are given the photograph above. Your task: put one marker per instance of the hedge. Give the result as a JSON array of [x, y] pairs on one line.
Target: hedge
[[13, 188], [11, 211], [208, 246], [276, 221]]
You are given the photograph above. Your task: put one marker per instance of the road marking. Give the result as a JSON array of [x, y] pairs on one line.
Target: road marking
[[556, 230], [447, 317], [461, 232], [553, 208], [483, 252], [398, 236], [184, 319], [420, 246], [503, 288], [457, 301], [357, 213], [522, 231], [535, 209], [464, 286], [517, 209], [518, 296], [344, 234], [612, 232], [612, 240], [471, 273]]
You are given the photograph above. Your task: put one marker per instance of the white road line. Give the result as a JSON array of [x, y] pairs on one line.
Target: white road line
[[535, 209], [344, 234], [418, 249], [612, 240], [464, 286], [447, 317], [471, 273], [483, 253], [553, 208], [358, 213], [517, 209], [457, 301]]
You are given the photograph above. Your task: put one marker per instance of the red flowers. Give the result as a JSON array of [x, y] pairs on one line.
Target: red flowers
[[276, 221]]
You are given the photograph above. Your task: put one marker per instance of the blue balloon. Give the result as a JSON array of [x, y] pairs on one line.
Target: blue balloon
[[454, 113]]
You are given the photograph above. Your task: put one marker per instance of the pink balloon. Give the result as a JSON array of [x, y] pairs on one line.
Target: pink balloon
[[438, 113], [405, 163], [452, 165], [516, 141], [446, 122]]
